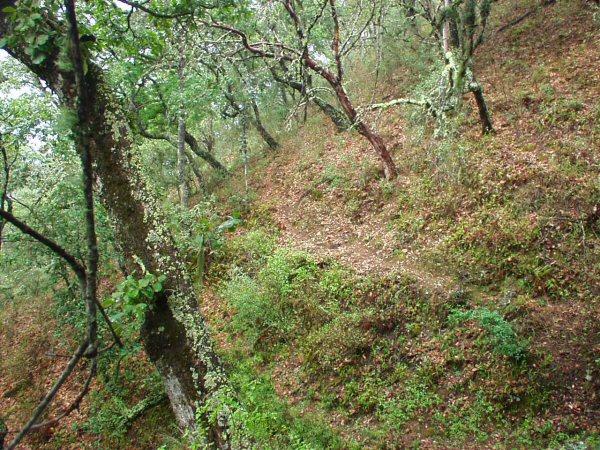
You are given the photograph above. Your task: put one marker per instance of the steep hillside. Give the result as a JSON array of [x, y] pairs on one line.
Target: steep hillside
[[459, 305]]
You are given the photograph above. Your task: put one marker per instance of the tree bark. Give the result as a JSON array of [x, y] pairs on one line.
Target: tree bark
[[484, 113], [446, 29], [264, 134], [184, 191], [175, 335]]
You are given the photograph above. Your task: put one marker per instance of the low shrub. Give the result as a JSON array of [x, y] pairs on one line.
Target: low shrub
[[499, 333]]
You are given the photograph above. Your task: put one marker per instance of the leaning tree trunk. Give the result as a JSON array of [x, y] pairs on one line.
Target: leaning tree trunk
[[484, 113], [337, 117], [184, 191], [196, 169], [5, 201], [206, 156], [374, 138], [264, 133], [175, 335]]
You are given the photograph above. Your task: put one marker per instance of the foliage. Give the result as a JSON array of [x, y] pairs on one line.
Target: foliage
[[500, 334], [268, 420], [509, 221]]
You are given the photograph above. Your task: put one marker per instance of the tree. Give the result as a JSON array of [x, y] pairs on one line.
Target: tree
[[458, 28], [175, 335], [281, 74], [298, 44]]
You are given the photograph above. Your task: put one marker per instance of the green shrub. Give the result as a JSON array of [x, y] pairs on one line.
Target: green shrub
[[290, 294], [256, 313], [417, 396], [336, 343], [269, 421], [287, 272], [500, 334], [250, 250]]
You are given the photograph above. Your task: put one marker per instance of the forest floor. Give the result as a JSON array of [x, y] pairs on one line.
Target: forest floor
[[510, 218], [410, 301]]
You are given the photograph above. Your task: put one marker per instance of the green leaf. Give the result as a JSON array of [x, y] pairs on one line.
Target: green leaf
[[3, 42], [39, 59], [9, 10], [133, 294], [228, 225], [42, 39], [157, 287]]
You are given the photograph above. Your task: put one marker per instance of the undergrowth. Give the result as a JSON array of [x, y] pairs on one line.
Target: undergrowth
[[371, 347]]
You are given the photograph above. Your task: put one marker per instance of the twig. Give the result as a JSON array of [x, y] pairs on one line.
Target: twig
[[74, 405]]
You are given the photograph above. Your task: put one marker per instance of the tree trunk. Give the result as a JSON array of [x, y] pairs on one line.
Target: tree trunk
[[5, 201], [484, 113], [206, 156], [244, 146], [337, 117], [389, 168], [184, 191], [446, 29], [175, 335], [264, 134], [196, 169]]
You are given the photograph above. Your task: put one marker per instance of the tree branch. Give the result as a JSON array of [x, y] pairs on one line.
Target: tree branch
[[50, 395], [77, 267]]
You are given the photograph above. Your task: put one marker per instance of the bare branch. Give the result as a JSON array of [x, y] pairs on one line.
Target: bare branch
[[50, 395], [77, 267]]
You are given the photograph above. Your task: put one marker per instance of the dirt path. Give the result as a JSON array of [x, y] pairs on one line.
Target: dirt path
[[322, 228]]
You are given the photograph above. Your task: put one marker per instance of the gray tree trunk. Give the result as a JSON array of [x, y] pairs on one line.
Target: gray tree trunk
[[184, 192]]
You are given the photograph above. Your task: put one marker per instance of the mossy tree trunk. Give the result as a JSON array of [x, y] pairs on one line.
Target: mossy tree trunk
[[175, 335]]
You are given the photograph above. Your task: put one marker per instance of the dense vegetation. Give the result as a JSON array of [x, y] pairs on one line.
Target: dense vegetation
[[303, 224]]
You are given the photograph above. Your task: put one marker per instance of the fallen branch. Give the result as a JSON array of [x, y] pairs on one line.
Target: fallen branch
[[50, 395], [141, 407]]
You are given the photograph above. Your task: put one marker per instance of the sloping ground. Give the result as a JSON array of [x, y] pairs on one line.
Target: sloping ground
[[32, 359], [35, 347], [511, 220]]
